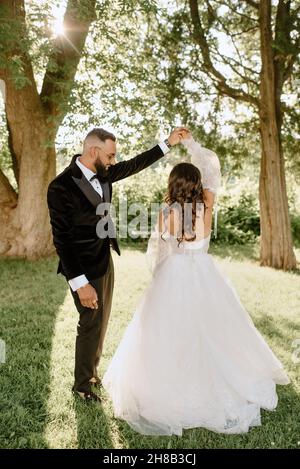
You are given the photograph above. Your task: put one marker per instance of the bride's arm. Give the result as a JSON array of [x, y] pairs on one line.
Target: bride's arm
[[209, 165], [207, 162]]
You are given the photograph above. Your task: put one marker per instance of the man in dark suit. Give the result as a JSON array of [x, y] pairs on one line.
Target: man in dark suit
[[84, 257]]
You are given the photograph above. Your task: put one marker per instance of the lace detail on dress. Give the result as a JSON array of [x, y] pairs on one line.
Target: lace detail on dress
[[207, 162]]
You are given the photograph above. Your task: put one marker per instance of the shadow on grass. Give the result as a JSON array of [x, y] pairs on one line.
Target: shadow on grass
[[281, 328], [31, 295], [93, 427]]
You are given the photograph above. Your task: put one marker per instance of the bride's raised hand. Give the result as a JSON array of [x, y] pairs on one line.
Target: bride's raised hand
[[185, 133], [177, 135]]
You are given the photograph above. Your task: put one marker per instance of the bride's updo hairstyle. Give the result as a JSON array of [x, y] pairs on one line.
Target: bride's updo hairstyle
[[185, 191]]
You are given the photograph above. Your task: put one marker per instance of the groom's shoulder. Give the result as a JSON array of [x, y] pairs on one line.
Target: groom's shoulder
[[60, 181], [64, 177]]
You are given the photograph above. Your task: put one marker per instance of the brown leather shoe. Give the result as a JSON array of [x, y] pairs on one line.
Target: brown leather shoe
[[87, 396]]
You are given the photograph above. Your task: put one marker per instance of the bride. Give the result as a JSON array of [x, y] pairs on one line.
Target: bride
[[191, 356]]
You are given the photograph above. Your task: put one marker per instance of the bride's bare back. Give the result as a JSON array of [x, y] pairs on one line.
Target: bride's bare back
[[172, 222]]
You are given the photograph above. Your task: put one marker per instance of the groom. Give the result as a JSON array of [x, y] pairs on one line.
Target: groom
[[84, 258]]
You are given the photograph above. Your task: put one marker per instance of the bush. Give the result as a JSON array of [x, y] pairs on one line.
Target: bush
[[238, 220], [295, 222]]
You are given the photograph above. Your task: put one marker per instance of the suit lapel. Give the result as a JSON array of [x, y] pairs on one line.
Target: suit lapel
[[83, 184], [87, 189], [106, 193]]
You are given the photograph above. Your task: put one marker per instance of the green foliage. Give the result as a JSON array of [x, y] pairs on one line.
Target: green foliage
[[140, 72], [238, 222], [149, 186], [295, 222], [5, 157]]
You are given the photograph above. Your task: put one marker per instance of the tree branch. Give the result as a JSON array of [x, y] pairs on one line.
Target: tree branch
[[282, 42], [234, 10], [285, 51], [220, 81], [228, 61], [294, 47], [248, 30], [66, 54], [253, 4], [290, 64]]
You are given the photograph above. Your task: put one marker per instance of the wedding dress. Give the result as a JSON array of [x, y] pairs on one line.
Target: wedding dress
[[191, 356]]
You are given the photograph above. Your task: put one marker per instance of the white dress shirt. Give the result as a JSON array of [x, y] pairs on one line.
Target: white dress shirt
[[88, 173], [81, 280]]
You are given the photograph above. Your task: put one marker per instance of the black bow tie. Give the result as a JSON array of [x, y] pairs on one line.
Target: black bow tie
[[94, 177]]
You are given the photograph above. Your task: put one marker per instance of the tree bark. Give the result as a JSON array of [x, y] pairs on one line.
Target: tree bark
[[276, 246], [32, 121]]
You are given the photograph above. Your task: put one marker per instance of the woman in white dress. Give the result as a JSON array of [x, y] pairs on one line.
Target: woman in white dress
[[191, 356]]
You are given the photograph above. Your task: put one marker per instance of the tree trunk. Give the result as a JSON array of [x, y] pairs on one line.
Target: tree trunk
[[25, 228], [24, 219], [32, 122], [276, 239], [276, 246]]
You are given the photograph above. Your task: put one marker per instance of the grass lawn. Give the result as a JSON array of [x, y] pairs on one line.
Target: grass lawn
[[38, 324]]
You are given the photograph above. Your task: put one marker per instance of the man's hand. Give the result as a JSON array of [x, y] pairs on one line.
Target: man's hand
[[88, 296], [177, 135]]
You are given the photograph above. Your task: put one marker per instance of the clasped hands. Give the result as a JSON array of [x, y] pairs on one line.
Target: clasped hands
[[178, 134]]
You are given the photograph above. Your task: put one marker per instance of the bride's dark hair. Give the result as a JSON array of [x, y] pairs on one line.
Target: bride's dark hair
[[185, 187]]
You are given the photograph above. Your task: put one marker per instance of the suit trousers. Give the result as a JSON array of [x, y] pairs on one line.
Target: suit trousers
[[91, 330]]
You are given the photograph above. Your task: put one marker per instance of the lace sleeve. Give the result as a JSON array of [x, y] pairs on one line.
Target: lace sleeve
[[209, 166], [207, 162]]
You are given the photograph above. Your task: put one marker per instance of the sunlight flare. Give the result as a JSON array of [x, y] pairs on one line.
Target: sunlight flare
[[58, 27]]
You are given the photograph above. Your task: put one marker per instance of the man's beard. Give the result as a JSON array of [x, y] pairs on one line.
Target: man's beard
[[101, 169]]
